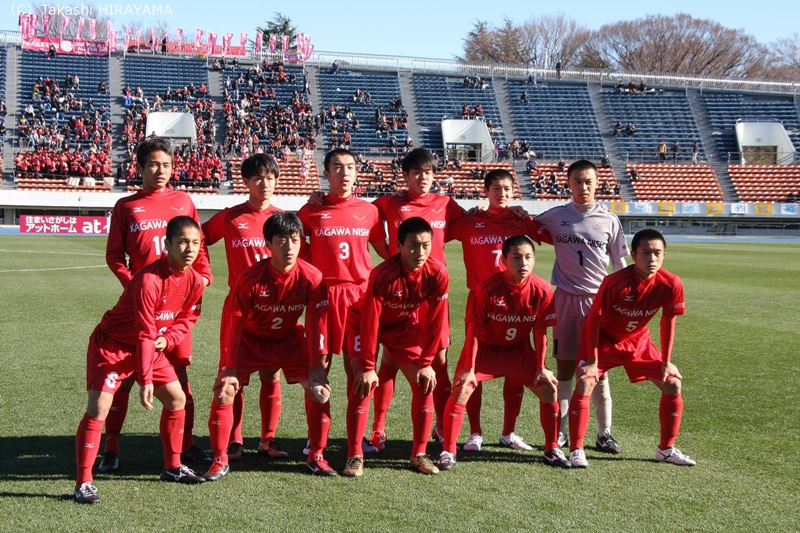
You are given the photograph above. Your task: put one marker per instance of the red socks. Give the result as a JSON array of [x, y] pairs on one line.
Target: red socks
[[383, 395], [357, 415], [670, 411], [87, 443], [578, 419], [421, 418], [269, 401], [548, 416], [512, 401], [318, 417], [171, 428], [220, 423], [115, 420], [453, 420]]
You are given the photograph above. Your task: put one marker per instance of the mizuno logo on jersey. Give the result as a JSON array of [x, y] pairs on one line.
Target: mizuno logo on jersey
[[177, 208], [325, 215], [138, 209], [499, 301], [480, 225], [263, 294], [362, 217], [564, 224], [243, 225], [629, 298], [438, 210], [405, 208], [398, 294]]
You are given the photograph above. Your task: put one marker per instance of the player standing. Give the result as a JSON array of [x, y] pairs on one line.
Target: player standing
[[242, 227], [616, 334], [340, 230], [156, 311], [136, 238], [586, 237], [482, 234], [506, 310], [390, 313], [418, 168], [266, 336]]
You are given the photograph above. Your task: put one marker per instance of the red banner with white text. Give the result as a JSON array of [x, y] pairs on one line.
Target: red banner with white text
[[64, 224]]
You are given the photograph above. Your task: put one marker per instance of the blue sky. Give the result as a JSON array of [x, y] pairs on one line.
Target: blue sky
[[415, 27]]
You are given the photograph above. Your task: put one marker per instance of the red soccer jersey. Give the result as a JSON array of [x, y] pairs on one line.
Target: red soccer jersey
[[242, 227], [482, 235], [393, 296], [339, 231], [268, 304], [438, 210], [625, 302], [158, 302], [505, 312], [138, 229]]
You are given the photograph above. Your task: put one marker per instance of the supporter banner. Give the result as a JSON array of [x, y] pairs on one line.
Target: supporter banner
[[47, 19], [666, 208], [93, 28], [763, 209], [642, 207], [714, 208], [257, 45], [619, 208], [64, 224], [738, 209], [690, 209], [789, 209], [66, 47], [185, 48]]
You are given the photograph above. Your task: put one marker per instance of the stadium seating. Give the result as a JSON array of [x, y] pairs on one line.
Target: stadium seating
[[155, 74], [677, 183], [441, 97], [337, 90], [657, 116], [557, 120], [544, 189], [725, 109], [765, 183], [291, 182]]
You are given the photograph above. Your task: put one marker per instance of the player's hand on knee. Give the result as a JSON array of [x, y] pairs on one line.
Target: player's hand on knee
[[146, 396], [586, 372], [465, 379], [546, 378], [160, 344], [365, 382], [426, 378], [668, 369]]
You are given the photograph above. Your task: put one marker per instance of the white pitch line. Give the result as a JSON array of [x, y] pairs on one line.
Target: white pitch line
[[50, 269], [53, 253]]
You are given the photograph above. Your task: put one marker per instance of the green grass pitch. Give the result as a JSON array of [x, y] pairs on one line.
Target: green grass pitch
[[736, 348]]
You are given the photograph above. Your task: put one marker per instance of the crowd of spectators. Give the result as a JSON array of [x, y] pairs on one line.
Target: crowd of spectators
[[198, 166], [256, 121], [47, 163]]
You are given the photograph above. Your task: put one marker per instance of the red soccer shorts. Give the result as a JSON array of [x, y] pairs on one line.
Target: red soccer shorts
[[639, 356], [404, 340], [289, 354], [109, 362], [342, 298], [181, 355], [516, 362]]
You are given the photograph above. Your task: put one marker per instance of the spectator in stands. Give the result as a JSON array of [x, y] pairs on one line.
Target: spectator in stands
[[642, 87], [695, 151], [164, 46], [524, 96], [562, 166], [630, 129], [605, 188], [634, 174], [675, 149], [558, 69], [605, 162], [621, 87], [618, 128], [532, 167], [662, 152], [101, 88], [335, 67], [51, 52], [531, 79]]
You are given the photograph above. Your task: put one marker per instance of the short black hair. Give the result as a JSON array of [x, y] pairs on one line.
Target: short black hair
[[418, 158], [517, 240], [177, 225], [580, 165], [150, 145], [413, 225], [497, 175], [336, 152], [647, 234], [258, 164], [282, 225]]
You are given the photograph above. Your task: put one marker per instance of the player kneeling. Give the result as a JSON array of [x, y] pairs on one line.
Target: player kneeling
[[507, 309], [266, 336], [155, 313], [388, 313], [616, 334]]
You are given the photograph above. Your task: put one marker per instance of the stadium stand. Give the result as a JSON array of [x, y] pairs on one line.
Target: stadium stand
[[156, 74], [678, 183], [379, 177], [766, 183], [298, 177], [3, 110], [658, 116], [550, 183], [361, 98], [266, 108], [441, 97], [725, 109], [557, 120]]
